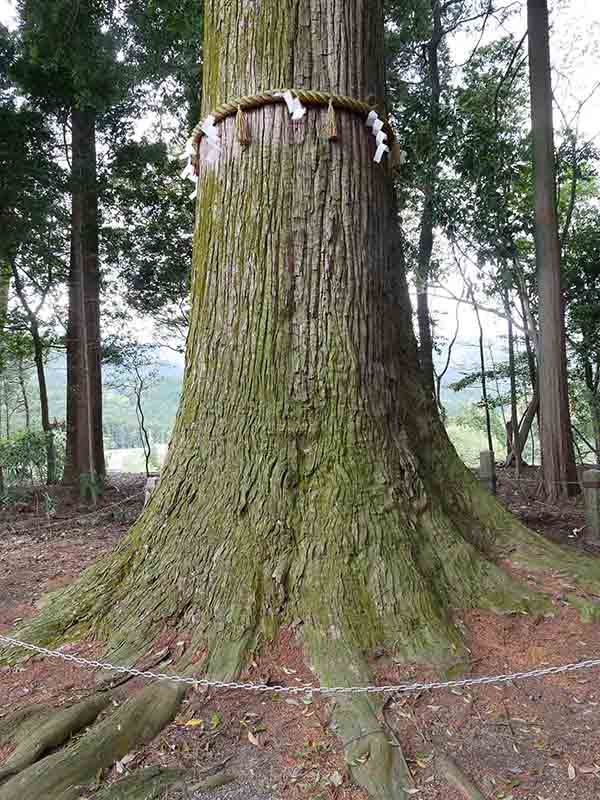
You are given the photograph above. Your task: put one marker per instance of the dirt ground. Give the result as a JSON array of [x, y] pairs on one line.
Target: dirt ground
[[531, 740]]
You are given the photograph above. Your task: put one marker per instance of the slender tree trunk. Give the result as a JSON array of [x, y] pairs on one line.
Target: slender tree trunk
[[38, 351], [5, 275], [596, 422], [44, 409], [484, 392], [531, 363], [515, 445], [23, 385], [429, 191], [592, 382], [85, 463], [525, 428], [139, 410], [6, 408], [558, 460]]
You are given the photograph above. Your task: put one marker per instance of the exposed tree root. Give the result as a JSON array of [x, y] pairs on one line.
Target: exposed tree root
[[59, 775], [383, 566], [53, 733], [16, 726], [145, 784], [150, 784], [370, 749], [454, 775]]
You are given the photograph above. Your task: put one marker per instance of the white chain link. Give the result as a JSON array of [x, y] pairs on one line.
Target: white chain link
[[304, 688]]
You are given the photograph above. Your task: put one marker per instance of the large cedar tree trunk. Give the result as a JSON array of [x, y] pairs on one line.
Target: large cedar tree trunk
[[309, 480], [84, 463], [558, 458]]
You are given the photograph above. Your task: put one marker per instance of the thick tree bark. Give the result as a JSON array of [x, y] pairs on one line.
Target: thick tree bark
[[309, 480], [306, 461], [85, 463], [558, 460], [429, 192]]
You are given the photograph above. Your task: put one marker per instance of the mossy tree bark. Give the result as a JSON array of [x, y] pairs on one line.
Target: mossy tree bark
[[309, 478]]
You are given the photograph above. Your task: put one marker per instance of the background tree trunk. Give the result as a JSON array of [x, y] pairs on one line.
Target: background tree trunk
[[5, 275], [24, 395], [558, 460], [84, 446], [429, 191], [592, 383], [515, 435]]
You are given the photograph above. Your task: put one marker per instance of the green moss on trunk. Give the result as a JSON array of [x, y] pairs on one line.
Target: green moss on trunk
[[308, 478]]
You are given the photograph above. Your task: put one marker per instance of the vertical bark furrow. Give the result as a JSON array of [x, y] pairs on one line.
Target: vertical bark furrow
[[302, 480]]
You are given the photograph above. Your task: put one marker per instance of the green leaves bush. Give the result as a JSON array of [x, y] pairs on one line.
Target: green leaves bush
[[23, 456]]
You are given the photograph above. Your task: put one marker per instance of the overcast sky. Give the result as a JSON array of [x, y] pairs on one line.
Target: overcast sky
[[575, 48]]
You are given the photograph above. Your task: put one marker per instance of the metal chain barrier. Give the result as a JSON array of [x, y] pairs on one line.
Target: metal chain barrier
[[402, 688]]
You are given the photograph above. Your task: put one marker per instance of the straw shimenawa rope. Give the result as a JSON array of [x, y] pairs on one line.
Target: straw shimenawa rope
[[307, 97]]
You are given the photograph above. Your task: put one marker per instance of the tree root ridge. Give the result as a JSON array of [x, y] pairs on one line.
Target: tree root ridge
[[454, 775], [53, 733], [145, 784], [370, 749], [58, 776], [150, 784], [16, 726]]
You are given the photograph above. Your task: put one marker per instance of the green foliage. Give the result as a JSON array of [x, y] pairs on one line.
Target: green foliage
[[148, 235], [582, 285], [69, 54], [23, 456], [165, 44], [469, 442], [32, 183], [473, 418], [500, 374], [492, 202]]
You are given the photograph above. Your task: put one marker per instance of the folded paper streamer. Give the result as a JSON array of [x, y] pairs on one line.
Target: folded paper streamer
[[190, 170], [209, 129], [211, 133], [381, 137], [296, 101], [295, 107]]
